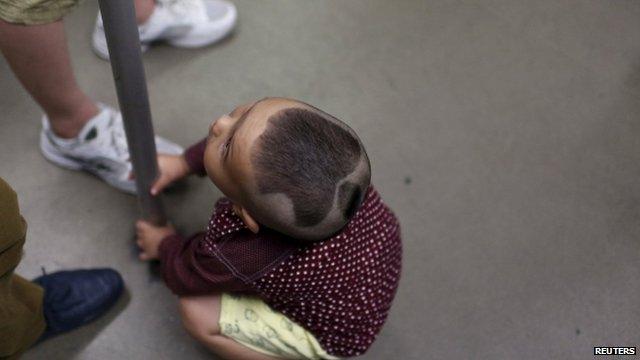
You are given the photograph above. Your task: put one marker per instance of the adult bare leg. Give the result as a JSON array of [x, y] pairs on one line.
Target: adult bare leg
[[39, 56]]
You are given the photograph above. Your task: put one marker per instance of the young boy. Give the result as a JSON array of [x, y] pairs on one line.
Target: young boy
[[302, 259]]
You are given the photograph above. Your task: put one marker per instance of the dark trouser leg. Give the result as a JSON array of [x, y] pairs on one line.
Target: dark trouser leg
[[21, 318]]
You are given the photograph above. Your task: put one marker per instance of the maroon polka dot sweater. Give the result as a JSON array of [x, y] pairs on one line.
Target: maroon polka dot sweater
[[340, 289]]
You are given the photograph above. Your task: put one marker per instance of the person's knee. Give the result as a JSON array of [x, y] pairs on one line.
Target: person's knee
[[200, 316]]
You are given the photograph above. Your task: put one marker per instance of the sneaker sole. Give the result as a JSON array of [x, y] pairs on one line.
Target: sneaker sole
[[196, 42], [101, 49], [50, 153]]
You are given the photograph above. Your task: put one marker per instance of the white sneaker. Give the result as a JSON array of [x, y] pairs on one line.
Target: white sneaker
[[100, 148], [182, 23]]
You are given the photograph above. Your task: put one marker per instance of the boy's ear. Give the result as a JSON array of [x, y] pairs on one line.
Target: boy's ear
[[246, 218]]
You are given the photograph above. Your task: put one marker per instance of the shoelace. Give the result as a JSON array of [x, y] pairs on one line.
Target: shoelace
[[118, 136]]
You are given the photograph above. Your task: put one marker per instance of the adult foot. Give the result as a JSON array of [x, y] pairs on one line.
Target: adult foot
[[75, 298], [181, 23], [100, 148]]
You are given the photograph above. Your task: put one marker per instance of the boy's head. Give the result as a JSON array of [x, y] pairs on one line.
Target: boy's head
[[289, 166]]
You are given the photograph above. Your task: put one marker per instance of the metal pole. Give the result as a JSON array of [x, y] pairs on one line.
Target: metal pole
[[121, 30]]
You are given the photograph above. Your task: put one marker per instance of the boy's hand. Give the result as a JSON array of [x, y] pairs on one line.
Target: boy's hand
[[172, 168], [149, 237]]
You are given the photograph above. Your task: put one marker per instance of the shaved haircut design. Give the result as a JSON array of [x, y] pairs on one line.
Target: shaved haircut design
[[318, 163]]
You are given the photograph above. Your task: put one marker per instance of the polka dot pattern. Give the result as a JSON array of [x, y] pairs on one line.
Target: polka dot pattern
[[340, 289]]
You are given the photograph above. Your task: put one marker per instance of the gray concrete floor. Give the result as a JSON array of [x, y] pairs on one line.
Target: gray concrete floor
[[505, 134]]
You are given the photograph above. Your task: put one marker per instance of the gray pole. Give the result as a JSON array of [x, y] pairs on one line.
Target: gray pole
[[126, 62]]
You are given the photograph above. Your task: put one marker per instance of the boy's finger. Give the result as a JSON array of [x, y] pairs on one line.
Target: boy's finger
[[160, 184], [143, 256]]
